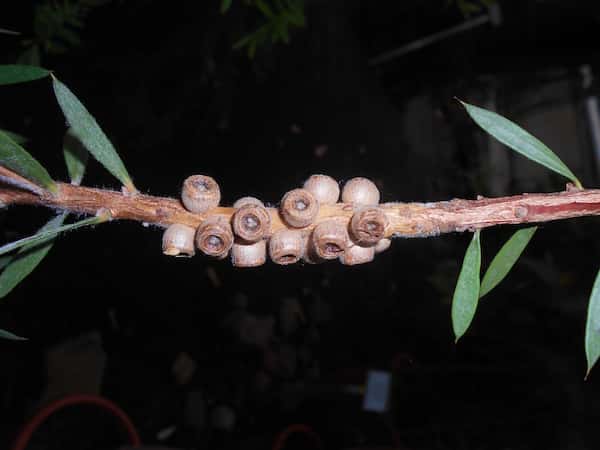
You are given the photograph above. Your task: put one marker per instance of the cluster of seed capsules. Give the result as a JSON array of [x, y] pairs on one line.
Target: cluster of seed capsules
[[248, 235]]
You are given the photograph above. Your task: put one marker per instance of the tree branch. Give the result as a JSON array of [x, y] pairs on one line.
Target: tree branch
[[405, 219]]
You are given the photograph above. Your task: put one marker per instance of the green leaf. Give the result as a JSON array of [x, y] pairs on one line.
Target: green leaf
[[281, 31], [14, 136], [8, 335], [466, 293], [505, 259], [76, 157], [89, 133], [515, 137], [265, 9], [592, 327], [243, 41], [225, 5], [28, 258], [4, 260], [16, 158], [296, 12], [43, 236], [14, 73]]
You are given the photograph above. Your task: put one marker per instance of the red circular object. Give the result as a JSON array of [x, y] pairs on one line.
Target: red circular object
[[81, 399], [282, 437]]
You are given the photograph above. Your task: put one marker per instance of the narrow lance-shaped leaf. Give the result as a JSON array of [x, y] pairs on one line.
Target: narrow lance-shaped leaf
[[43, 236], [505, 259], [592, 327], [17, 159], [28, 258], [14, 136], [515, 137], [87, 130], [76, 157], [14, 73], [466, 292], [8, 335]]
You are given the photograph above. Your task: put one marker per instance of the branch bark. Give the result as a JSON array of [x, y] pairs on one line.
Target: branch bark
[[405, 219]]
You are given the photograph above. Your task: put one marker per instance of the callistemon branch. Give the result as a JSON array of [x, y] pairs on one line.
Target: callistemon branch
[[412, 219], [314, 223]]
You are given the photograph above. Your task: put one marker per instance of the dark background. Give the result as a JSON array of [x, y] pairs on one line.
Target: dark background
[[165, 84]]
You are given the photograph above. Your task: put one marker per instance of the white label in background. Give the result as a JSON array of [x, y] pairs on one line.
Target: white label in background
[[378, 391]]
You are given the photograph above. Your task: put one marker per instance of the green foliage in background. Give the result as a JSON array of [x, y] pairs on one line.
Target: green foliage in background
[[470, 7], [57, 27], [278, 17]]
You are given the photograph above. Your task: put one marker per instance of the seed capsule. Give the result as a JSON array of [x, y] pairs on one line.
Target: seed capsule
[[247, 201], [368, 226], [178, 240], [383, 245], [360, 191], [251, 221], [200, 193], [299, 208], [249, 255], [286, 246], [357, 255], [325, 189], [329, 239], [214, 236], [310, 255]]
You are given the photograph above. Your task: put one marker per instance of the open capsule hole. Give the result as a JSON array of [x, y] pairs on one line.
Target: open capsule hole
[[214, 243], [251, 222], [300, 205], [288, 259], [332, 248], [201, 185]]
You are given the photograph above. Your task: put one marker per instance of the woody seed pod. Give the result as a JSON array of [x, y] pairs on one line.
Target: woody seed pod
[[200, 193], [178, 240], [247, 201], [325, 189], [251, 255], [329, 239], [383, 245], [214, 236], [360, 191], [251, 221], [299, 208], [310, 256], [368, 226], [357, 255], [286, 246]]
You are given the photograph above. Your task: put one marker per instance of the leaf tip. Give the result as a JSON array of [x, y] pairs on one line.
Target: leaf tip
[[464, 104]]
